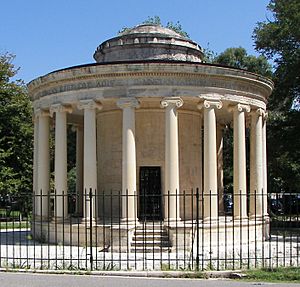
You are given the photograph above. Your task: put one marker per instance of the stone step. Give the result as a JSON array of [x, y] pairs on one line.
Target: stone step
[[149, 237], [150, 244], [150, 233], [156, 249], [150, 225]]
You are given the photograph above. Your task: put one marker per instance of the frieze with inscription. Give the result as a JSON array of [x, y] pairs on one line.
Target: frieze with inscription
[[186, 80]]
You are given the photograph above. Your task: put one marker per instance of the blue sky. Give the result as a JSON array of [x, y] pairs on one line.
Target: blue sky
[[53, 34]]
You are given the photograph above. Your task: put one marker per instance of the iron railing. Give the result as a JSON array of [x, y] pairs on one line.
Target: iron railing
[[96, 233]]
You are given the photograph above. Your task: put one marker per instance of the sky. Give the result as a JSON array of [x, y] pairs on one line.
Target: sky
[[54, 34]]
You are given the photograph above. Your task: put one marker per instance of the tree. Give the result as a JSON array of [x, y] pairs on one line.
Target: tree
[[15, 131], [278, 38], [238, 58]]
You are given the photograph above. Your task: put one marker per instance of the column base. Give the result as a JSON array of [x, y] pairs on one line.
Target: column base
[[172, 221], [129, 221], [240, 218], [88, 221], [210, 219], [258, 217], [40, 218], [60, 219]]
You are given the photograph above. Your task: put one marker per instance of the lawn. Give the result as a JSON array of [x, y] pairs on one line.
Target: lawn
[[282, 274]]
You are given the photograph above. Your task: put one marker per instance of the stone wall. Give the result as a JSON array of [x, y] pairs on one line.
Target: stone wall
[[150, 151]]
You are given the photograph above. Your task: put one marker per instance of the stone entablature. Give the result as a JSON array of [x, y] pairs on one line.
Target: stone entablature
[[145, 80]]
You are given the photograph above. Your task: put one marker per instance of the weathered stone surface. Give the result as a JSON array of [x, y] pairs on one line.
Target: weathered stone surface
[[148, 42]]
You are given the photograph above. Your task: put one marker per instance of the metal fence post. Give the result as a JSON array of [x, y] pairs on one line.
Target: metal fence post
[[197, 226], [91, 230]]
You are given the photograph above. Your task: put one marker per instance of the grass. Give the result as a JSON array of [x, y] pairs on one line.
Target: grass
[[14, 225], [13, 213], [282, 274]]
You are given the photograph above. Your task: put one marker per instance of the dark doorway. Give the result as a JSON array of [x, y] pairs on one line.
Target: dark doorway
[[150, 193]]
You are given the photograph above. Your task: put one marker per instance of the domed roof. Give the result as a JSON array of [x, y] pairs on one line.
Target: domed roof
[[148, 42], [151, 29]]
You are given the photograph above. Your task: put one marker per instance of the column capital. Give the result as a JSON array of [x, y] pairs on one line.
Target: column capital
[[89, 104], [176, 102], [209, 104], [258, 112], [60, 108], [128, 103], [239, 108], [39, 112]]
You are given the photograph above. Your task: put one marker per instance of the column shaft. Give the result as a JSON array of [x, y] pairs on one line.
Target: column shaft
[[265, 166], [89, 162], [35, 163], [60, 167], [129, 200], [90, 158], [43, 165], [210, 165], [201, 155], [256, 162], [220, 168], [239, 164], [171, 190], [79, 170]]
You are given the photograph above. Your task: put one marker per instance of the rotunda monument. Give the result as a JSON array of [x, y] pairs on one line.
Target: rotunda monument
[[149, 118]]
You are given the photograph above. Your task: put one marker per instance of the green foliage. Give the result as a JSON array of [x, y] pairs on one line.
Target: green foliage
[[208, 55], [228, 159], [177, 28], [124, 30], [15, 131], [72, 180], [284, 151], [279, 40], [238, 58], [155, 20]]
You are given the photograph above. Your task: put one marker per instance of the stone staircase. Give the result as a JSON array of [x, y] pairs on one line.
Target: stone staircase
[[150, 238]]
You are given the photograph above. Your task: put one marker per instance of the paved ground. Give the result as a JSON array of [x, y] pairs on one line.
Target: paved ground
[[17, 251], [49, 280]]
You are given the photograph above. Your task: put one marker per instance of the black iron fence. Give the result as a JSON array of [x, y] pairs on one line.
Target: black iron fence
[[175, 231]]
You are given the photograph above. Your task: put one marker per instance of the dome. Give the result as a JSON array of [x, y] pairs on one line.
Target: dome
[[148, 42]]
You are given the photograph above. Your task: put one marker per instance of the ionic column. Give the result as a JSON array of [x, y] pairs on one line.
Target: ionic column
[[35, 161], [43, 173], [220, 173], [171, 158], [79, 169], [256, 163], [239, 161], [90, 158], [265, 165], [210, 191], [201, 155], [129, 200], [60, 161]]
